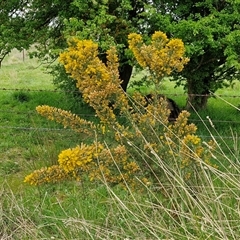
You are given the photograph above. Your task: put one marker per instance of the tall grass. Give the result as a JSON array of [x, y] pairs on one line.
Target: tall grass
[[206, 209]]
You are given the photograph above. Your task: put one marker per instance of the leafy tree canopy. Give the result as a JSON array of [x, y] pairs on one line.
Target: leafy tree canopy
[[209, 29]]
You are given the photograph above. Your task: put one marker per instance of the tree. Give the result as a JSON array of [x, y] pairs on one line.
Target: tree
[[11, 30], [210, 31], [108, 23], [49, 23]]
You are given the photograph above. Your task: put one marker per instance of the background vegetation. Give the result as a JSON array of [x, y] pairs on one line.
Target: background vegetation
[[209, 29]]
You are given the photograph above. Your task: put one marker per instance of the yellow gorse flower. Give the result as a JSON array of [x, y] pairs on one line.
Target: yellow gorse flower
[[190, 138], [98, 82], [161, 57], [78, 158], [66, 118], [46, 175]]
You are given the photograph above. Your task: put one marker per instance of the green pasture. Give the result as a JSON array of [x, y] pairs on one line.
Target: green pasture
[[83, 210]]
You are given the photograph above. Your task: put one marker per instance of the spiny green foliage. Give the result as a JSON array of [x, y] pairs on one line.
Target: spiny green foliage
[[148, 132]]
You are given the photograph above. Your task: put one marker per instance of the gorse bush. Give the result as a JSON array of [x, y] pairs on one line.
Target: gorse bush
[[128, 152]]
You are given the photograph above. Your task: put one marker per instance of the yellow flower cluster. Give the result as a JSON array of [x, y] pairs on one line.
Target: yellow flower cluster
[[82, 59], [66, 118], [78, 158], [115, 166], [161, 57], [98, 82], [187, 146], [51, 174], [190, 138], [157, 111], [181, 128], [98, 163], [177, 143], [182, 137]]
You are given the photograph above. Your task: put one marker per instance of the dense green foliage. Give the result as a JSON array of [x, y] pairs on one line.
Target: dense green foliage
[[210, 30]]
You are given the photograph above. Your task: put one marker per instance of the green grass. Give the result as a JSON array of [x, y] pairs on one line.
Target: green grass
[[16, 73], [83, 210]]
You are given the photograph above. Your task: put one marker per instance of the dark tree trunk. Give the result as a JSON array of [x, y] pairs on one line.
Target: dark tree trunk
[[125, 72], [197, 100]]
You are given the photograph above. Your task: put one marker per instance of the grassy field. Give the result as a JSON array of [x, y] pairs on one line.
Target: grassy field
[[84, 210]]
